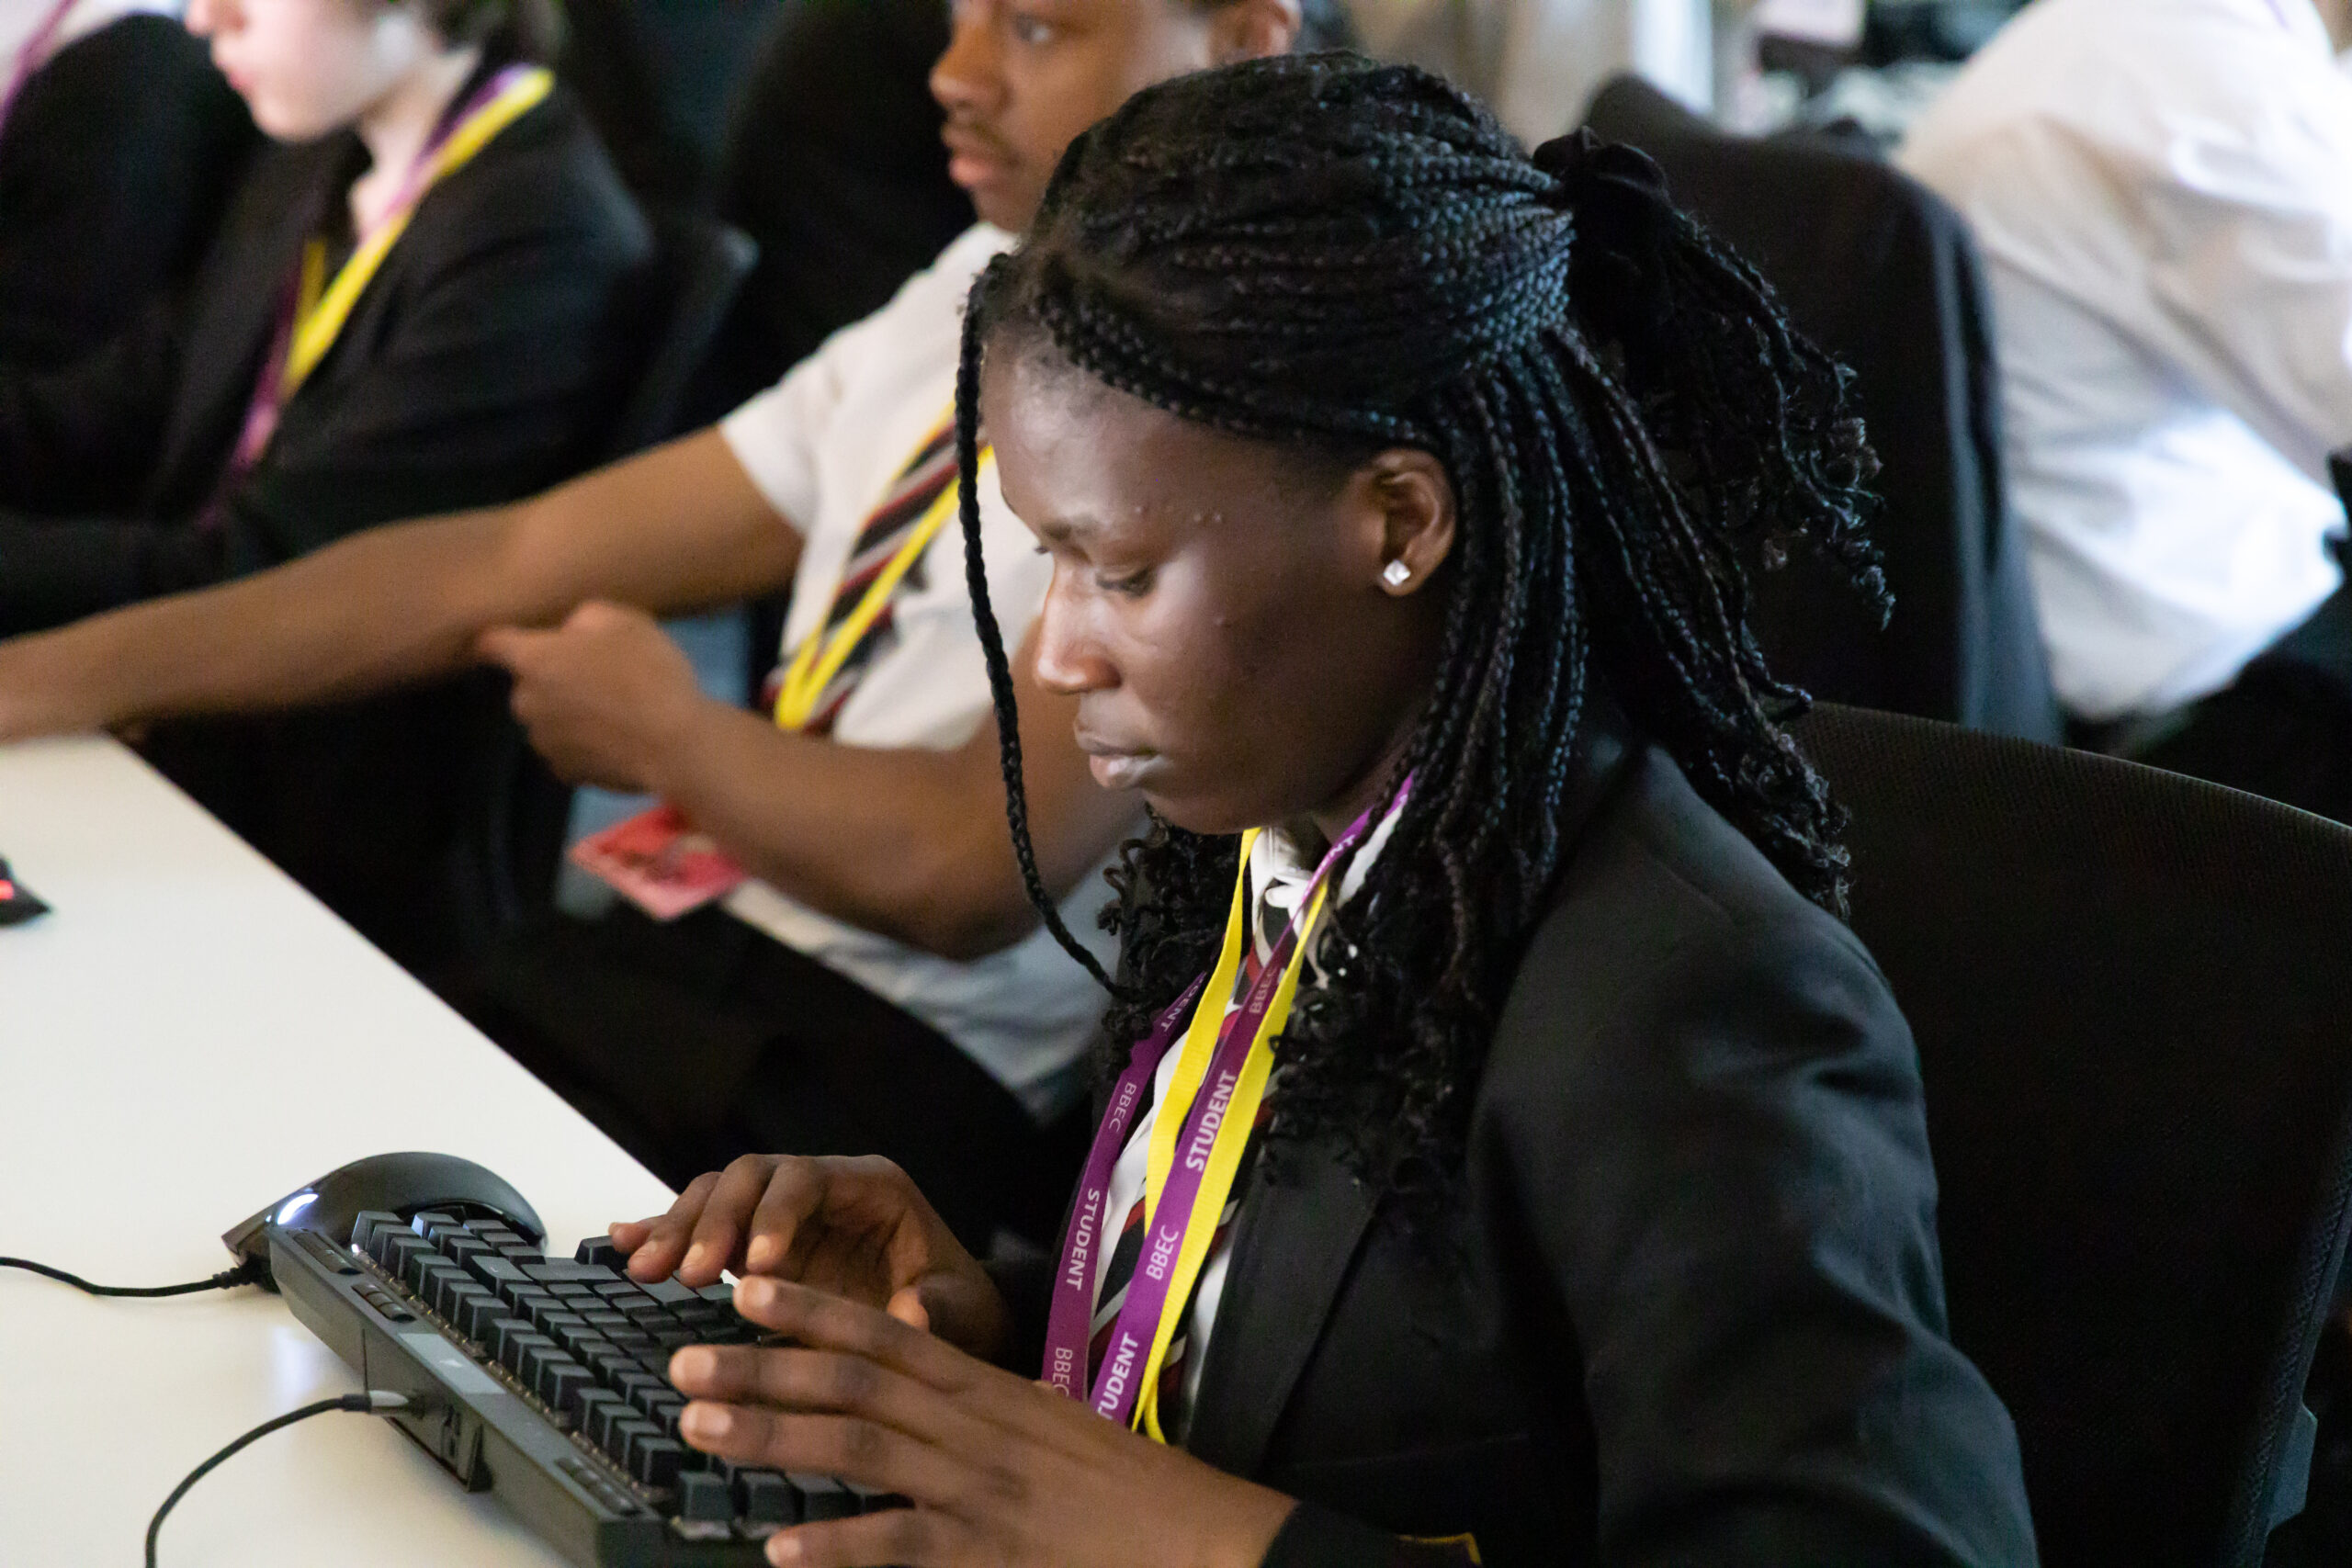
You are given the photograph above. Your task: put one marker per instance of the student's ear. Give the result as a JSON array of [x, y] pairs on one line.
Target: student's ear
[[1253, 30], [1403, 518]]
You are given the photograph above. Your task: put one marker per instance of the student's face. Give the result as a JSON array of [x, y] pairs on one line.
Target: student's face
[[307, 67], [1217, 606], [1021, 78]]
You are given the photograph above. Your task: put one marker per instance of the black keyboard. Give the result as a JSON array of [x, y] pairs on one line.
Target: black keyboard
[[544, 1380]]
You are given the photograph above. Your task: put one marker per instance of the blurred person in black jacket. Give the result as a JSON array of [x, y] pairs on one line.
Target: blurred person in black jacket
[[119, 146], [416, 303], [422, 300]]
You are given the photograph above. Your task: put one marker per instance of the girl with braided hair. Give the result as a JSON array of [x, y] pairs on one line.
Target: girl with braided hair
[[1505, 1154]]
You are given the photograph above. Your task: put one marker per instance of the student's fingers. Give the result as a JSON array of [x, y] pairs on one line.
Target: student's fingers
[[664, 1238], [911, 1537], [510, 647], [717, 1237], [825, 1321], [780, 1232], [821, 1382]]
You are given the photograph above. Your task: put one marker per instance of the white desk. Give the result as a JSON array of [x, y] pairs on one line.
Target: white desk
[[187, 1037]]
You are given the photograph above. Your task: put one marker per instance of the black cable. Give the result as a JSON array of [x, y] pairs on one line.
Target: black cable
[[246, 1273], [373, 1399]]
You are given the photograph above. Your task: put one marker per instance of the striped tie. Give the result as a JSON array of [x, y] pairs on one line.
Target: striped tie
[[919, 485]]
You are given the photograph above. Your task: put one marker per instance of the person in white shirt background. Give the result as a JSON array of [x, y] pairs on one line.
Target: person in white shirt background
[[1538, 63], [2163, 193]]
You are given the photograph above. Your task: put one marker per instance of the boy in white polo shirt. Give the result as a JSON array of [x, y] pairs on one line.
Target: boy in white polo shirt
[[906, 1004]]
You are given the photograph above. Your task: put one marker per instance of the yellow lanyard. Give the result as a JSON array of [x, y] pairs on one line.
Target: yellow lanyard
[[1224, 1163], [820, 656], [321, 308]]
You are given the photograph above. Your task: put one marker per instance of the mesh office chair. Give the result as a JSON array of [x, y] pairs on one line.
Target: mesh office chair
[[1884, 275], [2132, 997]]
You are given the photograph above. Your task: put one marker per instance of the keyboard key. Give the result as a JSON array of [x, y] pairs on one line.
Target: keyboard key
[[559, 1381], [476, 1313], [561, 1273], [655, 1460], [463, 1249], [587, 1400], [766, 1500], [423, 1268], [549, 1315], [507, 1344], [703, 1498], [822, 1497], [721, 1292], [495, 1271], [627, 1429], [365, 1226], [604, 1418], [397, 1249], [537, 1354], [626, 1384], [600, 1251], [451, 1292], [668, 1291], [440, 1229]]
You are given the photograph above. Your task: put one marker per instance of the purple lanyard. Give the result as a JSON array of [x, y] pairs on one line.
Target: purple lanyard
[[36, 51], [269, 394], [1118, 1385]]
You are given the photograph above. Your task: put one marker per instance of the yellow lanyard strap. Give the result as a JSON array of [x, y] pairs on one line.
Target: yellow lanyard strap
[[1241, 1118], [320, 312]]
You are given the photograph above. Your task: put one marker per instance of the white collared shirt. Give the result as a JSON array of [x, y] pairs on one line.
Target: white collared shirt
[[2163, 193], [1538, 63], [824, 447]]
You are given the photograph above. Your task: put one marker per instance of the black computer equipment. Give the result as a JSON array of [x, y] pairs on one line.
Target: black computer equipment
[[401, 1183], [541, 1380], [17, 903]]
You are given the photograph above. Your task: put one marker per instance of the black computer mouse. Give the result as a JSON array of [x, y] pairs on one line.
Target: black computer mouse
[[406, 1184], [17, 903]]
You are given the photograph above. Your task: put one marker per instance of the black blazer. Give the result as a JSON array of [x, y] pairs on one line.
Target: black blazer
[[482, 364], [115, 167], [1689, 1310]]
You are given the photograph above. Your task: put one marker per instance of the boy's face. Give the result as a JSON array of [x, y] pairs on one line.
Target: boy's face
[[1021, 78]]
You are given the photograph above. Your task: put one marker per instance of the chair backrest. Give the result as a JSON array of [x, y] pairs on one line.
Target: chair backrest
[[831, 162], [1883, 275], [699, 267], [2132, 997], [656, 78]]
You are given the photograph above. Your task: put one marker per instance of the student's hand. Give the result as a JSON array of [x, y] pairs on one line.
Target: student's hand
[[858, 1228], [604, 697], [998, 1469]]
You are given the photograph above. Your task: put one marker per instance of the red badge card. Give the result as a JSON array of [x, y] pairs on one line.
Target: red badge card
[[658, 862]]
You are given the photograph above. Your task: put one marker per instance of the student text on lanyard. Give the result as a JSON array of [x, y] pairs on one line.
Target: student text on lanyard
[[1196, 1148], [33, 54], [825, 668], [316, 310]]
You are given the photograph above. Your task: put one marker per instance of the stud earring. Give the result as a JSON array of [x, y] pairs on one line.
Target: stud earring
[[1398, 575]]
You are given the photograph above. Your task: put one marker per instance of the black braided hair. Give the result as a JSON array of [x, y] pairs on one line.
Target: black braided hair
[[1339, 257]]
